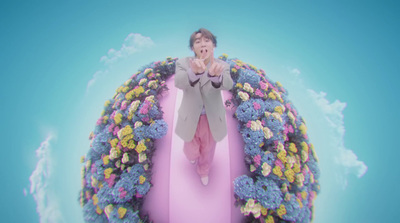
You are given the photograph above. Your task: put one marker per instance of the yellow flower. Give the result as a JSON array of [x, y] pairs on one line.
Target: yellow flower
[[272, 95], [234, 71], [300, 203], [304, 146], [124, 131], [266, 169], [243, 95], [304, 195], [82, 159], [141, 147], [277, 116], [119, 89], [131, 144], [239, 85], [289, 175], [264, 211], [88, 164], [152, 84], [303, 129], [278, 84], [280, 147], [129, 95], [296, 168], [122, 166], [125, 89], [125, 158], [94, 181], [142, 157], [138, 91], [277, 171], [114, 142], [282, 156], [118, 163], [313, 152], [146, 167], [106, 159], [105, 119], [107, 103], [138, 124], [121, 212], [267, 133], [292, 147], [118, 118], [142, 179], [281, 210], [107, 172], [291, 117], [304, 156], [279, 109], [248, 88], [95, 199], [99, 211], [252, 168], [269, 219], [284, 188], [300, 179]]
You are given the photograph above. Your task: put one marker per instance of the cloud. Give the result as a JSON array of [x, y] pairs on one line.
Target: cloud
[[46, 200], [133, 43], [345, 158], [295, 71]]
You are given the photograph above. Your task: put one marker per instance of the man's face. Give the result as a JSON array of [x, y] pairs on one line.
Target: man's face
[[203, 47]]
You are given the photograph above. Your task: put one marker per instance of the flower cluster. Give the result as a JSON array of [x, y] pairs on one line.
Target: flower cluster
[[116, 174], [282, 183], [283, 170]]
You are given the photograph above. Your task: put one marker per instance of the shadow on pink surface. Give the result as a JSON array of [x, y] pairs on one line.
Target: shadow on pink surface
[[177, 194]]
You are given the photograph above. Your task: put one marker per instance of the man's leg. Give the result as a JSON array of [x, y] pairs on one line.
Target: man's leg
[[207, 147]]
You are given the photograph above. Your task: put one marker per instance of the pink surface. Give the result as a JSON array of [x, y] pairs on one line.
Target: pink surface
[[177, 194]]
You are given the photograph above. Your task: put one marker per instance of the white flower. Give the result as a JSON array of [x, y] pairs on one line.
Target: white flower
[[243, 95], [150, 98], [247, 87], [134, 105], [267, 133], [256, 125], [108, 209], [152, 84], [142, 81], [138, 124], [125, 158], [113, 153], [276, 115], [142, 157], [266, 169], [291, 117]]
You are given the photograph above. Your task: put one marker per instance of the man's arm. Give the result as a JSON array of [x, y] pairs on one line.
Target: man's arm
[[224, 80]]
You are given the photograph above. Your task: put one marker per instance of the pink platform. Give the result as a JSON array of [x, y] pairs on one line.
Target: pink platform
[[177, 195]]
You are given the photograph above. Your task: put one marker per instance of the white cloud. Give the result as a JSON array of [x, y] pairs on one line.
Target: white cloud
[[133, 43], [295, 71], [345, 158], [46, 200]]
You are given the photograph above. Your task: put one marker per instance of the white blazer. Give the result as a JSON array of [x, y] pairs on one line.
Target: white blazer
[[194, 97]]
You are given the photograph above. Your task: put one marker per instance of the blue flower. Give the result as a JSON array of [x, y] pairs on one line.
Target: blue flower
[[140, 132], [268, 158], [292, 209], [142, 189], [268, 193], [246, 111], [244, 187], [252, 150], [90, 215], [158, 129], [249, 76], [129, 217], [252, 138], [105, 196]]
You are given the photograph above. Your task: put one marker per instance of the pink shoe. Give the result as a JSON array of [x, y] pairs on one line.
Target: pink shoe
[[193, 162]]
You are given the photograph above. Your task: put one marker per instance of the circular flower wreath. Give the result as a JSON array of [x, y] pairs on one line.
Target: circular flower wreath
[[283, 179]]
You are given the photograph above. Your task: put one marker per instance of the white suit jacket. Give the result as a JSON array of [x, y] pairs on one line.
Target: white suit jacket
[[194, 97]]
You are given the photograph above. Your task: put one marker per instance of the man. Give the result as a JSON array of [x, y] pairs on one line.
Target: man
[[201, 116]]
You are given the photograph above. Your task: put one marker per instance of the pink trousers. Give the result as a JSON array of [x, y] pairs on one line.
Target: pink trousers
[[202, 147]]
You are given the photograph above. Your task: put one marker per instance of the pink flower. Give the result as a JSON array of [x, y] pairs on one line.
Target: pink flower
[[93, 168], [122, 192], [248, 124], [99, 121], [113, 115], [146, 119], [279, 163], [263, 85], [259, 93], [256, 105], [257, 160], [116, 129], [124, 105], [110, 180], [110, 128], [138, 195]]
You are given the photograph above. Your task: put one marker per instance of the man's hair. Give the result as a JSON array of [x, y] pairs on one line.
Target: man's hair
[[205, 33]]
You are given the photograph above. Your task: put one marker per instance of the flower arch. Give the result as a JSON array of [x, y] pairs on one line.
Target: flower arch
[[283, 179]]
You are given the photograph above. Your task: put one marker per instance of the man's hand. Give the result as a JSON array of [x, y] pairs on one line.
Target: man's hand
[[197, 65], [215, 68]]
